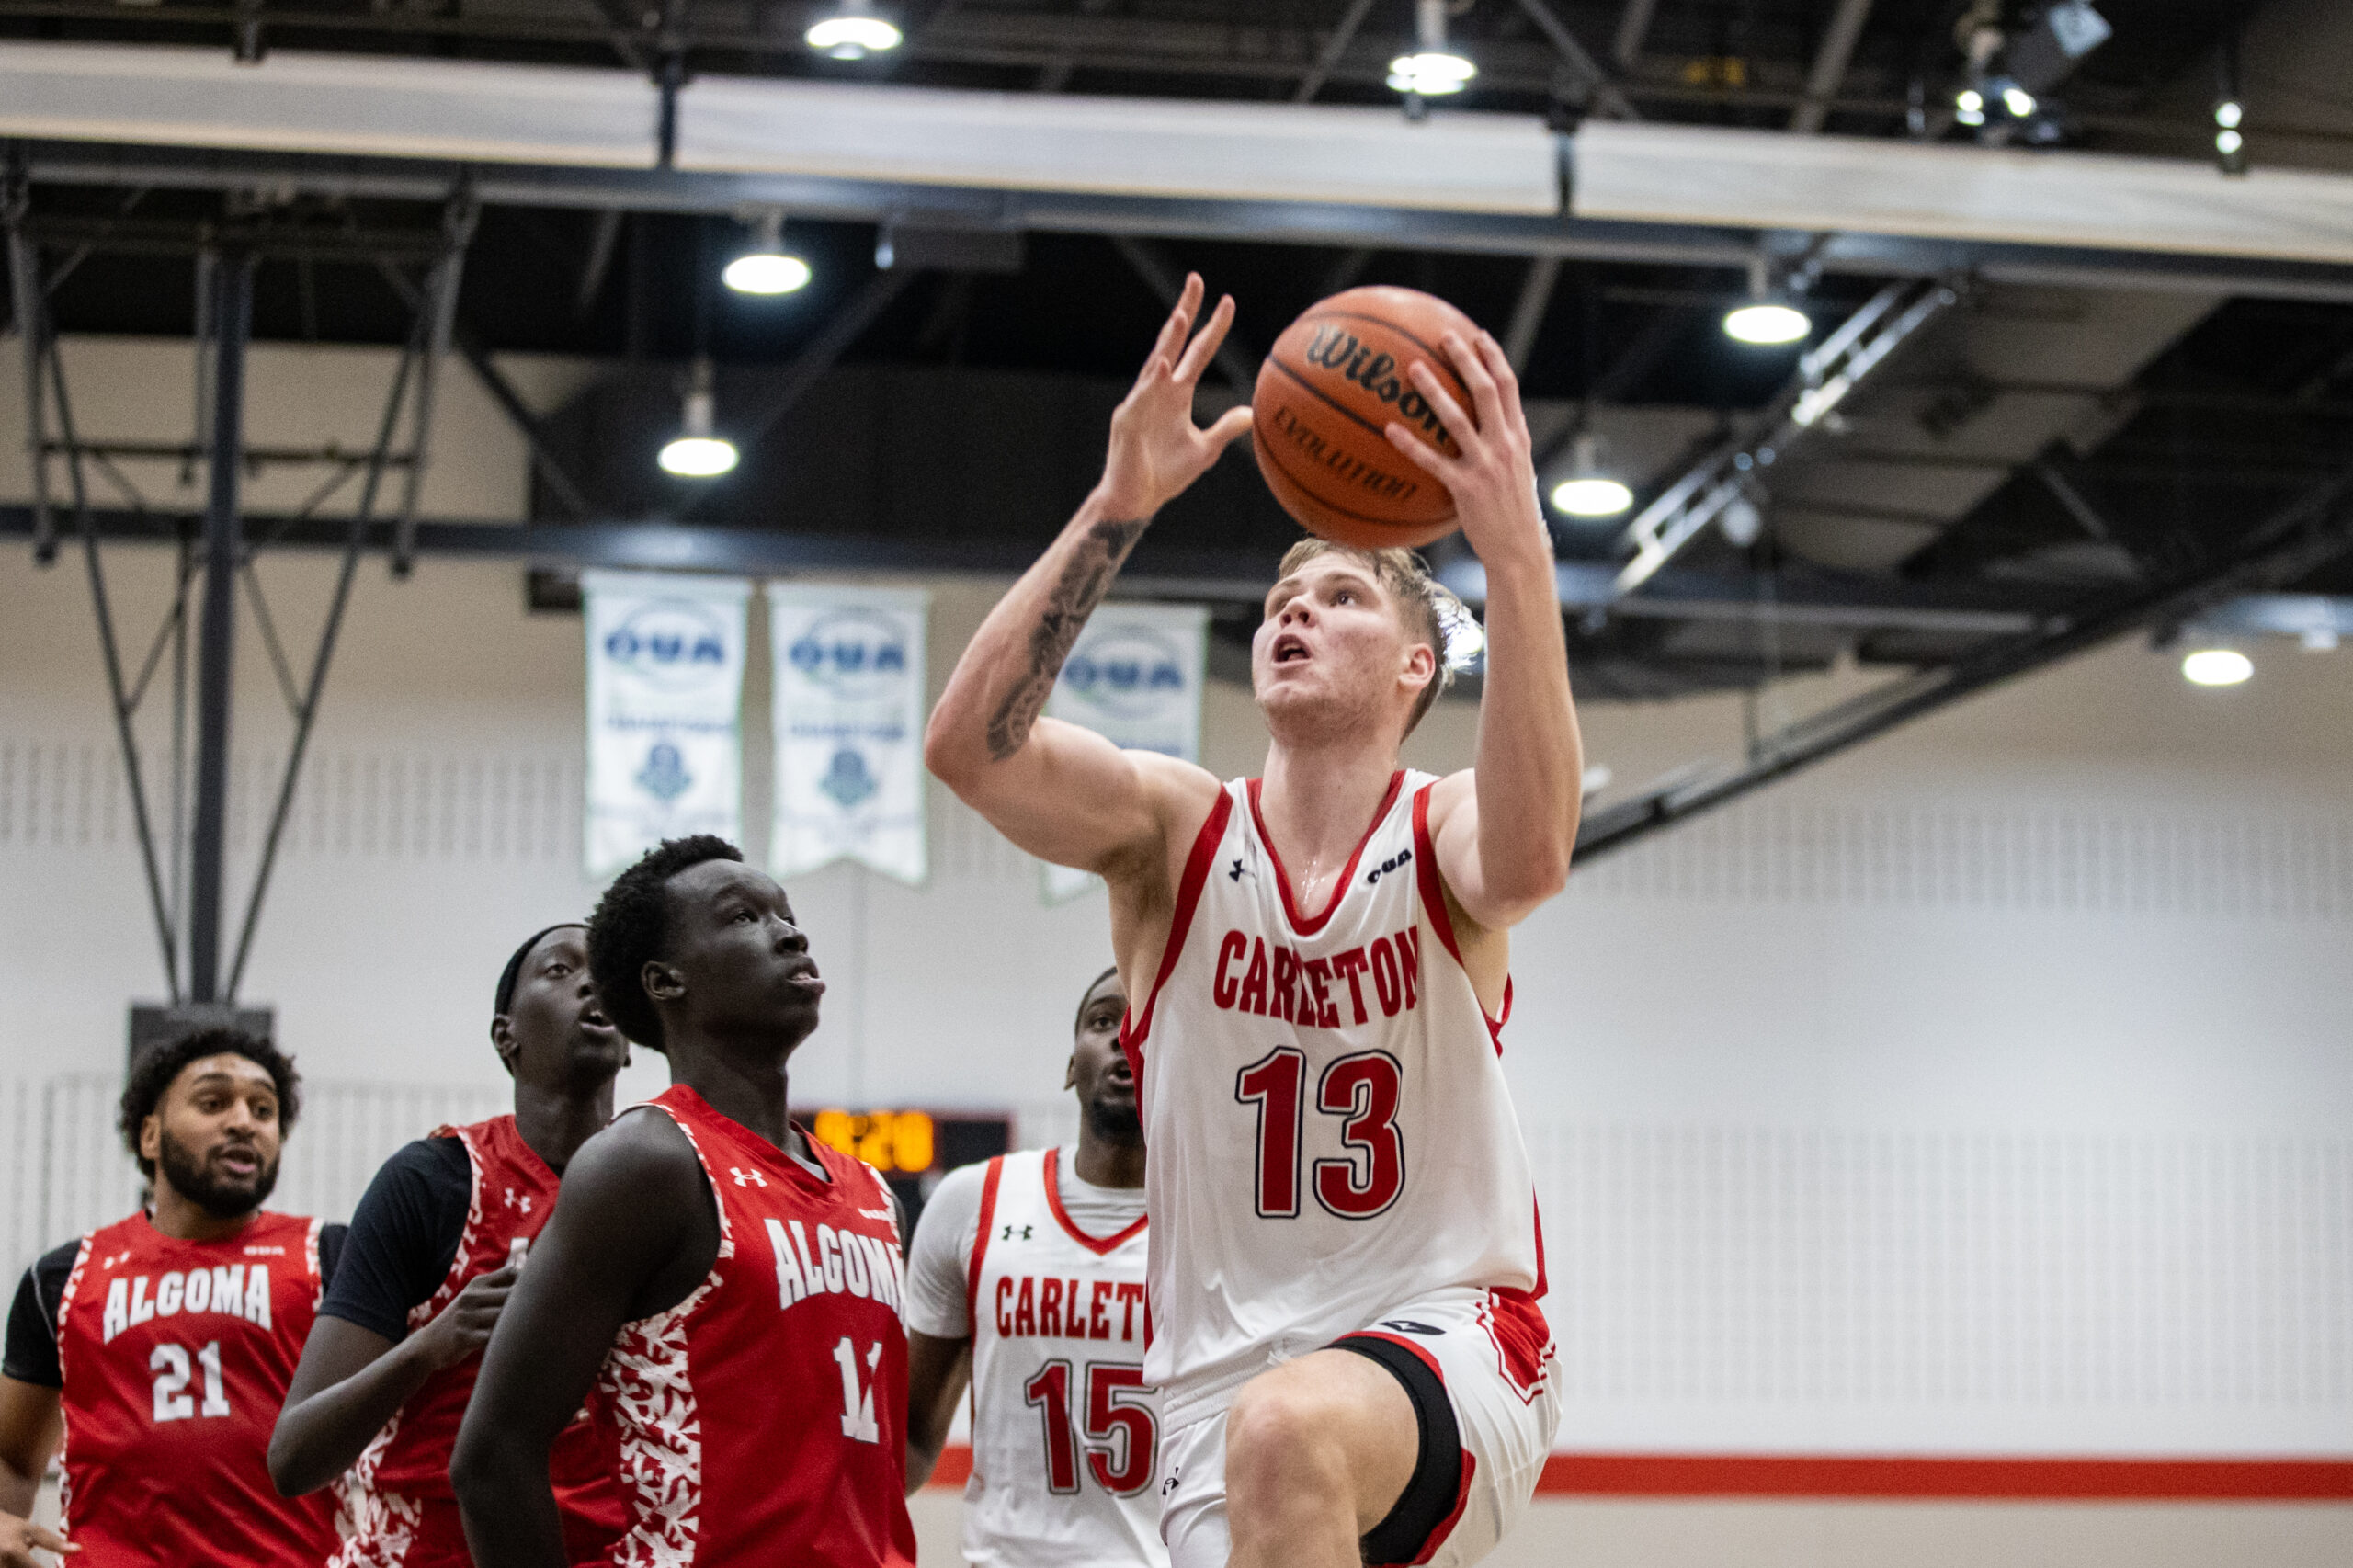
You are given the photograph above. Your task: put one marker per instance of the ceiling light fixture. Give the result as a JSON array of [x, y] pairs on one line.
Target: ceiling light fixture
[[2017, 101], [2230, 141], [2216, 667], [1767, 322], [695, 452], [1768, 317], [1434, 70], [767, 268], [1588, 492], [853, 32], [1968, 107]]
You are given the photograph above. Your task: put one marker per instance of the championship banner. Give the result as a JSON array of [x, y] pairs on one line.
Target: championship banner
[[1136, 679], [665, 684], [849, 715]]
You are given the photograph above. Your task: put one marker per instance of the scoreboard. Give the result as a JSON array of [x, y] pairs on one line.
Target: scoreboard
[[912, 1148]]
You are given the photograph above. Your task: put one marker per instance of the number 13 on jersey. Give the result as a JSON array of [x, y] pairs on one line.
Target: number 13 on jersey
[[1361, 1091]]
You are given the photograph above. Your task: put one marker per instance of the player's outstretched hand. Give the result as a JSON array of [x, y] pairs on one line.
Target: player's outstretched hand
[[463, 1326], [20, 1539], [1156, 449], [1494, 481]]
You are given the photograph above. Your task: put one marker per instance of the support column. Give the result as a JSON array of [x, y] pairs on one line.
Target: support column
[[232, 303]]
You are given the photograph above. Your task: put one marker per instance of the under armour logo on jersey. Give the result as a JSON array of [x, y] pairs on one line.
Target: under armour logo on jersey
[[1007, 1234], [1402, 857], [746, 1178], [523, 1202], [1240, 871], [1408, 1325]]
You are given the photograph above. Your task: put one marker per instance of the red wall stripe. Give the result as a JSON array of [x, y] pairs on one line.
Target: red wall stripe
[[1759, 1475], [1777, 1475]]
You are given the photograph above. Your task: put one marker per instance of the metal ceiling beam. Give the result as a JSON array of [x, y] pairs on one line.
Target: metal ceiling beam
[[1527, 311], [817, 356], [1234, 359], [233, 308], [1633, 28], [1826, 374], [1838, 41], [1216, 575], [1327, 58], [1602, 240], [31, 306], [2302, 537], [1604, 92]]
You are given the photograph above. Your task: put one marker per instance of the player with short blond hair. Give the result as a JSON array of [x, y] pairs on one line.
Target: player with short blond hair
[[1345, 1257]]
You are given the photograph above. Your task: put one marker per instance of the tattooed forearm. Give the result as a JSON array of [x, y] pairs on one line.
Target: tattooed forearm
[[1081, 587]]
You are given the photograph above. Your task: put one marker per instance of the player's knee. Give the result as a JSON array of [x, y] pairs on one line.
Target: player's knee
[[1281, 1433]]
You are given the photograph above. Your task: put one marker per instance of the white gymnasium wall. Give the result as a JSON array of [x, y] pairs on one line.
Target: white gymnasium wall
[[1988, 1091]]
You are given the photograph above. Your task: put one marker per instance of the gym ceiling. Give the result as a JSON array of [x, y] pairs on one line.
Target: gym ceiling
[[2037, 455]]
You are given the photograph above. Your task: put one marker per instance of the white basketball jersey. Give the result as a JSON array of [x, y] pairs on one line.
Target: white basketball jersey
[[1065, 1433], [1324, 1103]]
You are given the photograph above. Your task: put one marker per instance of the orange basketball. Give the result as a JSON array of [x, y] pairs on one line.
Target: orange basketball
[[1335, 382]]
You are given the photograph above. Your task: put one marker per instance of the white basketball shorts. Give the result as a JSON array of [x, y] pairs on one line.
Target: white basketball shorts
[[1477, 1362]]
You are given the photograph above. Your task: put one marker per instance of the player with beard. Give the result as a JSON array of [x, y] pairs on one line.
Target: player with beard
[[1026, 1279], [729, 1286], [159, 1348], [434, 1250], [1345, 1255]]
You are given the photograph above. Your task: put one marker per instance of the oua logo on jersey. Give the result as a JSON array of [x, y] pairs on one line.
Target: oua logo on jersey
[[230, 1288]]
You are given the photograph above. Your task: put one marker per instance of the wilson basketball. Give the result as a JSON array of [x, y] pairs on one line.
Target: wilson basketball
[[1333, 383]]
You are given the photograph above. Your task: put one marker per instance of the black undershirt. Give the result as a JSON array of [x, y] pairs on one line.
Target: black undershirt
[[32, 1351], [404, 1237]]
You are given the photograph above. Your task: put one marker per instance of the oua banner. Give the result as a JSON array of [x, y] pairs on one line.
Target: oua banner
[[848, 717], [1136, 679], [666, 690]]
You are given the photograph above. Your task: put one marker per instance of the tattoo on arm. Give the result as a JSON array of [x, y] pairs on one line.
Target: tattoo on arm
[[1073, 599]]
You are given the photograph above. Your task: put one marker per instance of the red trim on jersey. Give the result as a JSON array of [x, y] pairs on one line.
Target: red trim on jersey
[[1099, 1245], [981, 1242], [1433, 890], [1522, 1339], [1878, 1475], [1536, 1207], [1299, 922], [1188, 898]]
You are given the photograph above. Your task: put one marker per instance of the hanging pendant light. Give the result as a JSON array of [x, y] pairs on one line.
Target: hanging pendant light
[[696, 453]]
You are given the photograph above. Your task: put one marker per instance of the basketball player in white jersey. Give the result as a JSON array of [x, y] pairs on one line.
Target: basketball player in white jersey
[[1346, 1255], [1027, 1276]]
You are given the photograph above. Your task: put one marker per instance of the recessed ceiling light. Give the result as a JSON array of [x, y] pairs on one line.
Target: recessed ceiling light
[[765, 272], [1592, 495], [2216, 667], [1767, 322], [852, 33]]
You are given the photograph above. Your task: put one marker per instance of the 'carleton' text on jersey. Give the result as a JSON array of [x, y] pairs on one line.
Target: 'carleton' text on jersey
[[1305, 990], [1052, 1308]]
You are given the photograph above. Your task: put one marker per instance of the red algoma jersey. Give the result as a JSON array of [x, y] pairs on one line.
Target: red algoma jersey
[[400, 1509], [762, 1420], [177, 1356]]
